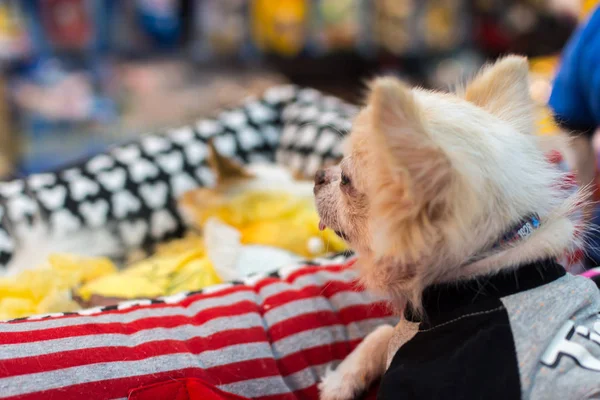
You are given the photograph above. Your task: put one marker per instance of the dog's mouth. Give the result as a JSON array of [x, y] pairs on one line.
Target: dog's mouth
[[341, 234]]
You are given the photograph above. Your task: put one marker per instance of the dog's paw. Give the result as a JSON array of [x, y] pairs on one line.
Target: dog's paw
[[338, 385]]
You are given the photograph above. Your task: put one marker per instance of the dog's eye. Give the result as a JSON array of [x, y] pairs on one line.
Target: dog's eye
[[345, 180]]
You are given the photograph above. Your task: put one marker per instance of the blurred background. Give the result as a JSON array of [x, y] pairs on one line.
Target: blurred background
[[79, 75]]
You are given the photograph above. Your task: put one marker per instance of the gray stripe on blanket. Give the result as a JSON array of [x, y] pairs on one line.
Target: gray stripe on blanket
[[324, 277], [315, 304], [269, 386], [296, 308], [181, 333], [307, 280], [327, 335]]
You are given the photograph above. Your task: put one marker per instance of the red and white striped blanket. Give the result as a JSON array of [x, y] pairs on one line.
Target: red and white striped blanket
[[271, 337]]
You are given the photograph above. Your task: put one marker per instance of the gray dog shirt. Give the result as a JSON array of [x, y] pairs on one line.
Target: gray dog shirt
[[532, 333]]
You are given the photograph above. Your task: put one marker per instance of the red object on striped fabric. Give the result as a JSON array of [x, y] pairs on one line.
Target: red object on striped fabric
[[271, 338], [181, 389]]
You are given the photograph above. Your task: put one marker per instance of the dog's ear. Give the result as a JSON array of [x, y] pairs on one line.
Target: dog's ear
[[409, 154], [503, 90], [414, 176]]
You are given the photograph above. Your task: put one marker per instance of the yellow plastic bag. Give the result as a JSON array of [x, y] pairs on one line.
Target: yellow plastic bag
[[275, 219], [17, 307], [86, 268], [159, 275], [122, 286], [47, 289]]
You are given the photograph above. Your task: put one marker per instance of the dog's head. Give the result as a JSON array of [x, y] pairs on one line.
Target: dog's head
[[429, 180]]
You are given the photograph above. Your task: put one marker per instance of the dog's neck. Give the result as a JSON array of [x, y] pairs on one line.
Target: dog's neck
[[516, 234], [550, 239]]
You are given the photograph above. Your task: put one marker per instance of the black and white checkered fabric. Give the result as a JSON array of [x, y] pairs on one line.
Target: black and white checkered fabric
[[131, 190], [312, 128]]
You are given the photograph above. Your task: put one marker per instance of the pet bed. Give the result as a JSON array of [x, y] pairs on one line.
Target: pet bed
[[267, 337]]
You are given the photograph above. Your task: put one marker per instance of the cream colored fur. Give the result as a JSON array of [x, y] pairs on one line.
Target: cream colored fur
[[431, 181]]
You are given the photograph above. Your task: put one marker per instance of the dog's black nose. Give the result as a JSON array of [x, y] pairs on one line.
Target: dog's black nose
[[320, 177]]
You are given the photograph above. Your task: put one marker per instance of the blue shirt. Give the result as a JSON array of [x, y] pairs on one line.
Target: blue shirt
[[575, 98]]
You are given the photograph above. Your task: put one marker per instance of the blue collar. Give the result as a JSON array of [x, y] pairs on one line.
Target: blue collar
[[519, 231]]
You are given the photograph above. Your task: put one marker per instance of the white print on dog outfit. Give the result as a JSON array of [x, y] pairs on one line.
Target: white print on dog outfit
[[556, 330]]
